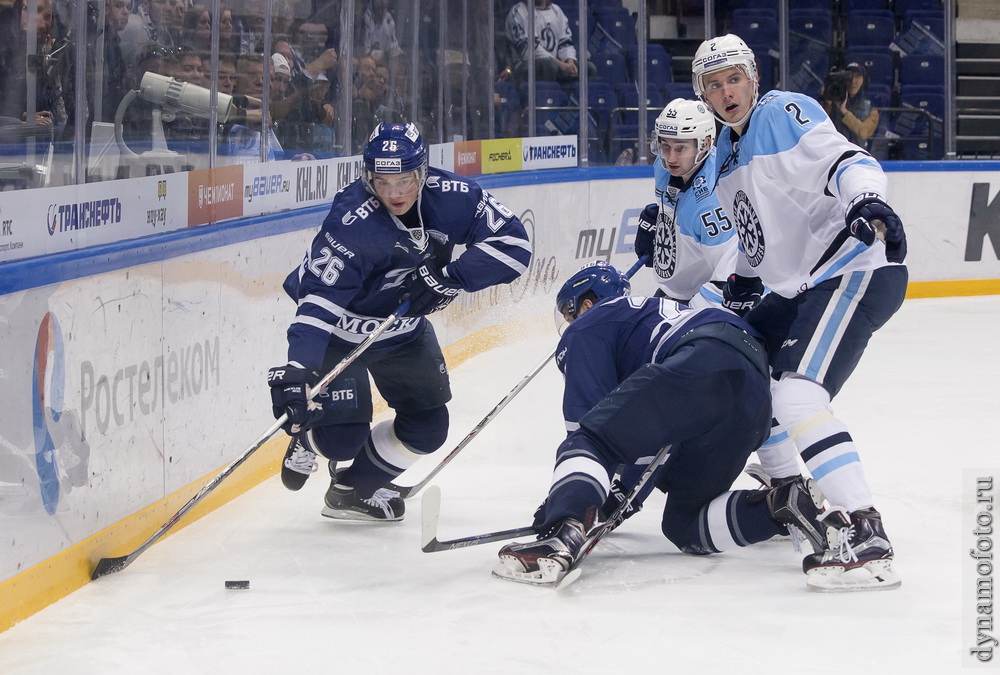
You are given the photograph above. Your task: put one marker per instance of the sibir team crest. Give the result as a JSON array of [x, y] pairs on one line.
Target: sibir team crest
[[665, 249], [748, 228]]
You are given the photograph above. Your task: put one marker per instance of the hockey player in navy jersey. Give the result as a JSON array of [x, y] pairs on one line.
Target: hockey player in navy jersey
[[814, 227], [641, 374], [688, 237], [389, 236]]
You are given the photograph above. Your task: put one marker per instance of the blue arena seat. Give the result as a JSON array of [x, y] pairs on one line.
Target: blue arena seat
[[658, 68], [814, 23], [678, 90], [756, 26], [870, 27], [921, 69], [610, 67]]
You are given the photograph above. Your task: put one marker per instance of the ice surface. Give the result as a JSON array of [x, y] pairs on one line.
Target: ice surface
[[335, 597]]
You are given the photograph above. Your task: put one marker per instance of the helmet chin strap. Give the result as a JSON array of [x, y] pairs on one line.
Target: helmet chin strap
[[741, 121]]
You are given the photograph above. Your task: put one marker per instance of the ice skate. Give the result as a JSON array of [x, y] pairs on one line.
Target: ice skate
[[544, 561], [343, 503], [859, 558], [299, 462], [797, 503]]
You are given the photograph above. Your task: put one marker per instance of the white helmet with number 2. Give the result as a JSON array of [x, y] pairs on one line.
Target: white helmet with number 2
[[682, 119], [726, 51]]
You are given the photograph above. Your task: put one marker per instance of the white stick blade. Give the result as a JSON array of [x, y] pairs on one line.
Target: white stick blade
[[430, 512]]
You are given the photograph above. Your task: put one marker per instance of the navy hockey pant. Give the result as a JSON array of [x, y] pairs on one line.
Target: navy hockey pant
[[710, 403]]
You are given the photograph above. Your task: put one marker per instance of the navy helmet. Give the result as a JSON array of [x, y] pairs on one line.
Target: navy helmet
[[394, 149], [598, 277]]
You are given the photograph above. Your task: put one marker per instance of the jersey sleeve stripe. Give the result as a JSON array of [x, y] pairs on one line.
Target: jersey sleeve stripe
[[494, 253], [314, 322], [511, 241], [323, 304]]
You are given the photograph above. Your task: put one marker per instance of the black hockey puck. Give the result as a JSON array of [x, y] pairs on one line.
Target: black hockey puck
[[241, 584]]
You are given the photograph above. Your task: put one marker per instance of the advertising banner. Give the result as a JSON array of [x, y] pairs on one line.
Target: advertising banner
[[502, 155], [468, 158], [548, 152], [40, 222]]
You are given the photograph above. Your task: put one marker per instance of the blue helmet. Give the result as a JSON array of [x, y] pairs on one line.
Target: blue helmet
[[599, 278], [394, 148]]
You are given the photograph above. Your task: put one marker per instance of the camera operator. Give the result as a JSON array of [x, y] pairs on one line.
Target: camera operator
[[844, 101]]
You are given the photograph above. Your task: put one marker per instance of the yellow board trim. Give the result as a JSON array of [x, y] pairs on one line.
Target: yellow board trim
[[950, 289], [49, 581]]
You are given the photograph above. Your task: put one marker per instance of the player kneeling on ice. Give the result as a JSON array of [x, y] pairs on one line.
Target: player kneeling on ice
[[642, 374], [389, 238]]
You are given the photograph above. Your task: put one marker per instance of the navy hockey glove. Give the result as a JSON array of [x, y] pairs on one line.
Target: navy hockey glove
[[290, 396], [646, 234], [868, 218], [428, 290], [538, 519], [742, 294]]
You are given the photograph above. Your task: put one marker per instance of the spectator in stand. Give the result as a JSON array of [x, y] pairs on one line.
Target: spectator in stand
[[49, 105], [310, 54], [299, 112], [280, 76], [150, 22], [379, 37], [189, 67], [855, 117], [228, 42], [174, 18], [111, 70], [244, 137], [197, 28], [372, 106], [555, 54], [227, 71], [252, 24]]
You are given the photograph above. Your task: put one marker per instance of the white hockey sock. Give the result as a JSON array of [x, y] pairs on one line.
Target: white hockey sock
[[387, 452], [716, 523], [803, 406], [778, 454], [729, 521]]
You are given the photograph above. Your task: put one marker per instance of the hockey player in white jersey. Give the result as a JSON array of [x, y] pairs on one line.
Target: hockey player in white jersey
[[688, 238], [810, 211]]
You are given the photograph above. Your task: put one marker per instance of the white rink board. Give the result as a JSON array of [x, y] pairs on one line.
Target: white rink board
[[118, 389]]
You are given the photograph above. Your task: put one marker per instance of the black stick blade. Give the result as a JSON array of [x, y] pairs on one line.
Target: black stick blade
[[403, 490], [109, 566]]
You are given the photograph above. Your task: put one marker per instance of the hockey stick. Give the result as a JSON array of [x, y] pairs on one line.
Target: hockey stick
[[430, 512], [613, 521], [411, 490], [112, 565]]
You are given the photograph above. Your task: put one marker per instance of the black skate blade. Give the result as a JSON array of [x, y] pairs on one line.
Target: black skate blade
[[107, 566]]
